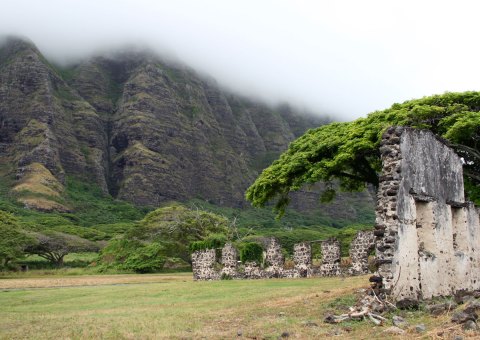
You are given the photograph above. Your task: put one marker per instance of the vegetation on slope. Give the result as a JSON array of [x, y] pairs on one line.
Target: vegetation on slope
[[348, 153]]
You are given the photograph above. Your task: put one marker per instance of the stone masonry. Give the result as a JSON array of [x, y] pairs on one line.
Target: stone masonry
[[330, 257], [229, 261], [274, 259], [360, 247], [302, 257], [203, 265], [428, 236]]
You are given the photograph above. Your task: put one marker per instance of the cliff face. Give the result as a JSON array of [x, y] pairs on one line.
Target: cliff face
[[144, 129]]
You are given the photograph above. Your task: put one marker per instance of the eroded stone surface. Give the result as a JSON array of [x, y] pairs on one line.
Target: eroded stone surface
[[203, 265], [427, 235], [229, 261], [302, 257], [274, 259], [360, 247], [330, 257]]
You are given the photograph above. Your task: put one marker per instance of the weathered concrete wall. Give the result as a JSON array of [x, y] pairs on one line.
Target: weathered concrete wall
[[360, 247], [229, 261], [302, 257], [203, 263], [427, 235], [330, 257]]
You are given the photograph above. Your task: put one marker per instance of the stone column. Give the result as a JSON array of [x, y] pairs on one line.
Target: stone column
[[361, 245], [274, 259], [302, 257], [330, 257], [229, 261], [203, 263]]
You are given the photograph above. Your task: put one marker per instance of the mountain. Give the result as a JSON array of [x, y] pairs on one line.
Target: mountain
[[142, 128]]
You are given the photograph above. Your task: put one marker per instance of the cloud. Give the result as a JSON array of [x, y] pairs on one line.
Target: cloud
[[344, 58]]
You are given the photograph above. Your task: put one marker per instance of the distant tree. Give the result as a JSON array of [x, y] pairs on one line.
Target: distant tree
[[176, 227], [346, 155], [54, 245], [132, 255], [13, 240]]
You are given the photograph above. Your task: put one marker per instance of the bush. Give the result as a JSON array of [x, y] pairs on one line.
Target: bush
[[214, 241], [251, 252], [146, 259], [132, 255]]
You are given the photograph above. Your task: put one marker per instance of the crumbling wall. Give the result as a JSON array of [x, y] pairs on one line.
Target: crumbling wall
[[302, 257], [274, 259], [203, 265], [360, 247], [330, 257], [427, 235], [229, 261]]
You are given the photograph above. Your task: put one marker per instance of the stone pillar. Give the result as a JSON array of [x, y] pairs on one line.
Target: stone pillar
[[361, 245], [203, 263], [302, 257], [229, 261], [330, 257], [274, 259]]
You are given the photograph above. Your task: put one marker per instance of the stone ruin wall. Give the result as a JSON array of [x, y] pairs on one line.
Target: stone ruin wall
[[428, 241], [361, 246], [331, 257], [204, 261]]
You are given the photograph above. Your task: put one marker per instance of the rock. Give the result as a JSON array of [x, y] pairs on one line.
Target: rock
[[441, 308], [285, 335], [463, 296], [462, 317], [470, 325], [458, 337], [407, 304], [394, 330], [420, 328], [398, 321], [472, 307]]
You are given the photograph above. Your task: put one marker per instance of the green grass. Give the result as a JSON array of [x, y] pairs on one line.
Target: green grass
[[174, 307]]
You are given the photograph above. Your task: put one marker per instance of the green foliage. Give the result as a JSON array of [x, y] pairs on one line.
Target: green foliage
[[349, 152], [132, 255], [213, 241], [177, 227], [146, 259], [93, 207], [13, 239], [54, 245], [251, 252]]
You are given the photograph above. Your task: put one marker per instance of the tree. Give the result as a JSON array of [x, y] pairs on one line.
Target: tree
[[13, 240], [348, 153], [176, 227], [54, 245]]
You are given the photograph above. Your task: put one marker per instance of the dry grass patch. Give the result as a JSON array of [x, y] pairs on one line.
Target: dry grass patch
[[175, 307]]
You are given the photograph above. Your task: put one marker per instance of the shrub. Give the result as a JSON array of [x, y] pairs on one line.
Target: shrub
[[132, 255], [146, 259], [213, 241], [251, 252]]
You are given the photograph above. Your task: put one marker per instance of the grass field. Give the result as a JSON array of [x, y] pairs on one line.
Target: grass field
[[172, 306]]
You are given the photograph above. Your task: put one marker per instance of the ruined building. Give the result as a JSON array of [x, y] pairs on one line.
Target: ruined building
[[428, 236], [204, 262]]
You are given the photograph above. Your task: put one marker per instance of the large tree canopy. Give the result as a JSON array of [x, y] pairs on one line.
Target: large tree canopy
[[348, 153]]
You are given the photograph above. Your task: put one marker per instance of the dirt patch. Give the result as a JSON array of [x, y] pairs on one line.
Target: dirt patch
[[90, 280]]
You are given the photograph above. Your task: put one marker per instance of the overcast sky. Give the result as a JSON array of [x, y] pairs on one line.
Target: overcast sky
[[345, 58]]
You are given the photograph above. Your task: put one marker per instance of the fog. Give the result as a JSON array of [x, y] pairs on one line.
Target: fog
[[343, 58]]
